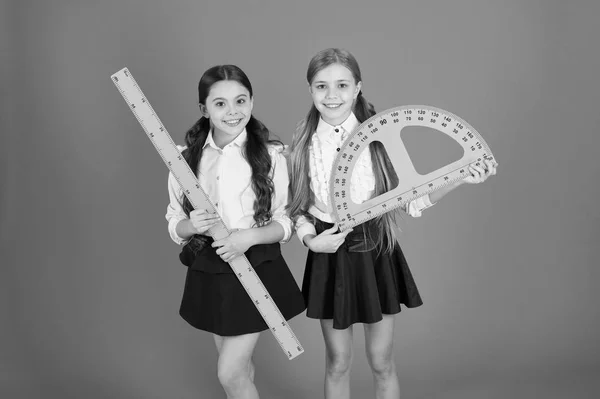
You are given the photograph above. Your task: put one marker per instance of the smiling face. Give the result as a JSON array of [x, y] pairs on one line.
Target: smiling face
[[333, 90], [229, 108]]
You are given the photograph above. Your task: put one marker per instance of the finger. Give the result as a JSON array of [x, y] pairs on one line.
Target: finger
[[345, 232], [220, 251], [193, 214], [209, 217], [197, 212], [479, 169], [228, 257], [474, 172], [331, 230], [487, 167], [210, 224], [202, 218]]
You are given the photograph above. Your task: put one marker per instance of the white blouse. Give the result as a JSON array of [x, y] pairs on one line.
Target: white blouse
[[225, 176], [323, 149]]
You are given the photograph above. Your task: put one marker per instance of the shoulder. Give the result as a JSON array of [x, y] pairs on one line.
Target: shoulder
[[277, 150]]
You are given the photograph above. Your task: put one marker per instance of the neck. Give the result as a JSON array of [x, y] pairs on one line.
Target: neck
[[336, 121], [221, 140]]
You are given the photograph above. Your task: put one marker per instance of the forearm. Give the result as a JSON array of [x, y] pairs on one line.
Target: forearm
[[440, 193], [184, 229], [273, 232], [307, 238]]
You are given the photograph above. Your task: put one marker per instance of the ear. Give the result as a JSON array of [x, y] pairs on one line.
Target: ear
[[251, 103], [309, 89], [204, 111], [358, 88]]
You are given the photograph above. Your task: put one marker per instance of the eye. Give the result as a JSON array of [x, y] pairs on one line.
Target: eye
[[320, 86], [219, 104], [343, 85], [241, 101]]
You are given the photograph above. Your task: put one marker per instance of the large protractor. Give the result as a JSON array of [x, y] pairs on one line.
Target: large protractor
[[385, 127]]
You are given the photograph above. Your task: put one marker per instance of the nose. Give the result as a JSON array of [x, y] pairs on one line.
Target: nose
[[331, 92], [233, 109]]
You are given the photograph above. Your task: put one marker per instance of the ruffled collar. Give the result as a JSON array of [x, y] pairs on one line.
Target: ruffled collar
[[330, 133]]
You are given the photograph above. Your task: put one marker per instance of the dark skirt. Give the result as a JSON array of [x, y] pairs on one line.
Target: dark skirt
[[355, 284], [214, 300]]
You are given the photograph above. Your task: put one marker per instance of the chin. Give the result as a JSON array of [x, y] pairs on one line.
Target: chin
[[235, 132], [335, 113]]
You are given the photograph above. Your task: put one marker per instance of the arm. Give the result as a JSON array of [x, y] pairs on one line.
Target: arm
[[328, 241], [178, 222], [478, 175], [279, 230], [281, 182], [440, 193], [180, 227], [305, 230]]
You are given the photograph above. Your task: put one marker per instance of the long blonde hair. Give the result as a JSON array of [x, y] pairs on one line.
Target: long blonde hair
[[386, 179]]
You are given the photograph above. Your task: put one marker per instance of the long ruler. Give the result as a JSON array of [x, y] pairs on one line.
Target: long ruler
[[167, 149], [385, 127]]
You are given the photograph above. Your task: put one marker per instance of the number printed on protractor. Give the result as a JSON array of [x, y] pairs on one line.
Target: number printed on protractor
[[386, 127]]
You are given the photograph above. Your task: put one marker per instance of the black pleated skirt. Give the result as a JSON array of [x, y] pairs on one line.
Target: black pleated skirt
[[355, 284], [214, 300]]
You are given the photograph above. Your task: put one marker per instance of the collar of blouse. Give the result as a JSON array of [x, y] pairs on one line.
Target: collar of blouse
[[336, 133]]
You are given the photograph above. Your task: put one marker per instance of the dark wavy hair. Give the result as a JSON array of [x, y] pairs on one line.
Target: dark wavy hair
[[255, 149]]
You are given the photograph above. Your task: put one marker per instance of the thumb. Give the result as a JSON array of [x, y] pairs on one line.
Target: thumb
[[332, 230], [346, 232]]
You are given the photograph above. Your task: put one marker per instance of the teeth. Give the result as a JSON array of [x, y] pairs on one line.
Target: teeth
[[233, 122], [333, 105]]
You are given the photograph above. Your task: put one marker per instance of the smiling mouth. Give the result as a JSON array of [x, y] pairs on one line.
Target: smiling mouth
[[233, 122], [332, 106]]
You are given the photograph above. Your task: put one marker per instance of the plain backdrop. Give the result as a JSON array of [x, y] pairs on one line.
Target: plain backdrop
[[90, 281]]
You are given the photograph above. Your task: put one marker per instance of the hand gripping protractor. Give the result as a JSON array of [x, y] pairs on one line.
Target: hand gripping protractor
[[167, 149], [385, 127]]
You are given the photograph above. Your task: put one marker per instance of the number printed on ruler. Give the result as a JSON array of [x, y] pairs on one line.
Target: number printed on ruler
[[168, 151], [385, 127]]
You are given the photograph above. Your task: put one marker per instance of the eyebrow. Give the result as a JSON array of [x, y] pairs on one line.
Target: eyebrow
[[339, 80], [223, 99]]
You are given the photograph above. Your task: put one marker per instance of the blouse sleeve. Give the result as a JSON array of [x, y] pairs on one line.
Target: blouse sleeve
[[415, 207], [175, 212], [304, 227], [280, 195]]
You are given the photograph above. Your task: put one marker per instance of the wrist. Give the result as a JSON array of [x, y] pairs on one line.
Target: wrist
[[184, 229], [306, 240], [252, 238]]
